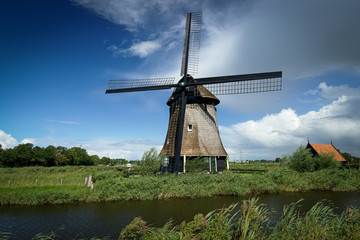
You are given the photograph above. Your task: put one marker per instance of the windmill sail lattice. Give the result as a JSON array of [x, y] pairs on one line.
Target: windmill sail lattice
[[135, 85], [193, 128], [193, 34]]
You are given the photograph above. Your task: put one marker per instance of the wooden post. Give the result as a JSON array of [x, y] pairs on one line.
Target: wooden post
[[184, 165], [61, 182], [86, 181], [89, 181], [9, 183], [36, 182]]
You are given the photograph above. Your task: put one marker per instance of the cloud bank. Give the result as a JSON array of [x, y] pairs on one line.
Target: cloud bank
[[7, 141], [302, 38], [281, 133]]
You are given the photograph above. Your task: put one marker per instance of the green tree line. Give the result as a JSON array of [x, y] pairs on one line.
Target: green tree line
[[25, 155]]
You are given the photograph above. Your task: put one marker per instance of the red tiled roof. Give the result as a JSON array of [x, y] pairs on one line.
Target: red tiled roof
[[328, 149]]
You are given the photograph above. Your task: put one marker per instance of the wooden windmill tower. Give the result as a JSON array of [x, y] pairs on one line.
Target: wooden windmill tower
[[193, 128]]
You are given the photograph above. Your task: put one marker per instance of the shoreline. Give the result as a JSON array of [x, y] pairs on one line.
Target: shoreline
[[111, 187]]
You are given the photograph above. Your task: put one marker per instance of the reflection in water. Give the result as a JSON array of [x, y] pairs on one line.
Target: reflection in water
[[86, 220]]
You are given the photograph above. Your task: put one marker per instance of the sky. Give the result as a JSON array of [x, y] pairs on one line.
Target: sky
[[57, 56]]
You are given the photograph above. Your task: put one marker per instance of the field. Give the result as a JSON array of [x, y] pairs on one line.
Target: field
[[42, 185]]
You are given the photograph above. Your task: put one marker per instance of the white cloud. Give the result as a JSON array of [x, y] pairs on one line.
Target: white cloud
[[6, 140], [28, 140], [242, 36], [143, 49], [165, 40], [135, 13], [276, 134], [334, 92], [139, 49], [115, 148], [63, 122]]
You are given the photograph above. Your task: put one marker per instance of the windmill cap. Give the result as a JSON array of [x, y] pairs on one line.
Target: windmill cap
[[203, 95]]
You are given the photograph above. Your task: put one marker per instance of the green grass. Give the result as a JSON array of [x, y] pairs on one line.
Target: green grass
[[44, 195], [111, 186], [254, 165], [51, 176]]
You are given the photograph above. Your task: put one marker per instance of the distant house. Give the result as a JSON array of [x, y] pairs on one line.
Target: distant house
[[319, 149]]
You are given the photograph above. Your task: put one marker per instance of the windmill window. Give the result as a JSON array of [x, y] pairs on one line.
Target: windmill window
[[190, 127]]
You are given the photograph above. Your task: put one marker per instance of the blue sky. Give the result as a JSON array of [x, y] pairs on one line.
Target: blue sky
[[57, 56]]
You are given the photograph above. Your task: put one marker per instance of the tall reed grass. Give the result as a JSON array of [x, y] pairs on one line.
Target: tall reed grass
[[250, 221]]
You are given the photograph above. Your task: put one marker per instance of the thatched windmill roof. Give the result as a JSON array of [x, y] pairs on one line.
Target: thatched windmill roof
[[202, 94]]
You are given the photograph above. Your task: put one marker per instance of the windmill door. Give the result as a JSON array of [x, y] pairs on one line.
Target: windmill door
[[212, 163]]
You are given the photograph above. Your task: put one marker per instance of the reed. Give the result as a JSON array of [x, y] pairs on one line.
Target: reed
[[250, 221]]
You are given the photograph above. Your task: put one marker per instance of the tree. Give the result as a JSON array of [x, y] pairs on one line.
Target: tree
[[61, 159], [23, 154], [150, 162], [8, 158], [38, 158], [94, 159], [78, 156], [61, 149], [347, 156], [122, 161], [50, 156], [301, 160], [105, 160], [1, 156]]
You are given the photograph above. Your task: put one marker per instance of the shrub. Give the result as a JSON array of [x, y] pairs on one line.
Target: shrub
[[301, 160], [135, 230], [325, 160], [150, 162]]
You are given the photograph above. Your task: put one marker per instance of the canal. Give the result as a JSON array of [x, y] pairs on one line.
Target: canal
[[86, 220]]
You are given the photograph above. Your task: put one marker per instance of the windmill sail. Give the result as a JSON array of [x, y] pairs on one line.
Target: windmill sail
[[240, 84], [135, 85], [190, 60], [242, 87]]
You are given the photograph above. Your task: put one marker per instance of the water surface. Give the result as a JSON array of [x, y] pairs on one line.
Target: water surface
[[86, 220]]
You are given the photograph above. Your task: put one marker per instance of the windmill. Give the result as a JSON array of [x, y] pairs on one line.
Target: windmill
[[198, 94]]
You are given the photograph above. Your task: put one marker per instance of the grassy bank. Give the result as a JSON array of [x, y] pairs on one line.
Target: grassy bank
[[52, 176], [110, 185]]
